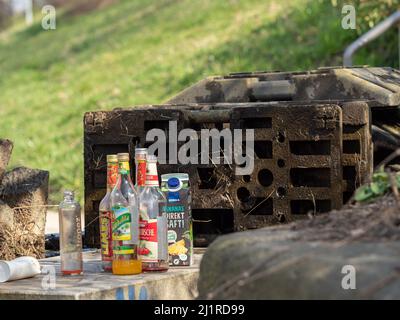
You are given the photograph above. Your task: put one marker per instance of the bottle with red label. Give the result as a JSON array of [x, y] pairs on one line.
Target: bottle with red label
[[153, 248], [105, 216]]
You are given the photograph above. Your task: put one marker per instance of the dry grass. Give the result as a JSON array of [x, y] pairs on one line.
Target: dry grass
[[20, 240], [376, 221]]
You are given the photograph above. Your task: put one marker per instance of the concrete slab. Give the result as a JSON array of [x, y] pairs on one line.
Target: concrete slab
[[177, 283]]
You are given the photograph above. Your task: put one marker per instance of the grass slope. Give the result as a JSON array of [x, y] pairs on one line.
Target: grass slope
[[144, 51]]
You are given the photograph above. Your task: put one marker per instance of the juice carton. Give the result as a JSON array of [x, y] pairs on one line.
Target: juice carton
[[176, 189]]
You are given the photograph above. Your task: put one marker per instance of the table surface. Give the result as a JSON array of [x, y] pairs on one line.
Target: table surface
[[176, 283]]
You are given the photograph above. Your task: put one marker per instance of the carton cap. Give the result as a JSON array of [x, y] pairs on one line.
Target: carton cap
[[173, 183]]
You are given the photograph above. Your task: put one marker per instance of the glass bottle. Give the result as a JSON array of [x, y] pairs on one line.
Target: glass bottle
[[70, 235], [153, 222], [105, 214], [125, 233]]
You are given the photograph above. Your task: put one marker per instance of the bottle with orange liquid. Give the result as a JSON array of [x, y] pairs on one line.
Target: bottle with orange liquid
[[125, 231]]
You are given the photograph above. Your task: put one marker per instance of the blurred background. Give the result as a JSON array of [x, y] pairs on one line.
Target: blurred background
[[114, 53]]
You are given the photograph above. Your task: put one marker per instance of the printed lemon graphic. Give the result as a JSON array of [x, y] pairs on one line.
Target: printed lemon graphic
[[177, 248]]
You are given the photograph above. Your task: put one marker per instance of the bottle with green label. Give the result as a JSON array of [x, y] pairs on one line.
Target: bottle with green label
[[125, 226]]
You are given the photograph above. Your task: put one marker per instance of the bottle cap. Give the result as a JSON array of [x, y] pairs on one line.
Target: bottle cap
[[140, 153], [112, 158], [140, 150], [173, 183], [123, 156], [151, 158], [69, 194]]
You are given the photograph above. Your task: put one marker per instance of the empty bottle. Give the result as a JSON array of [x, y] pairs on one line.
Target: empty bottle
[[70, 235], [153, 222], [105, 215], [125, 231]]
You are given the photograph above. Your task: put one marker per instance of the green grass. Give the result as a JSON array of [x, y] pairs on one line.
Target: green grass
[[145, 51]]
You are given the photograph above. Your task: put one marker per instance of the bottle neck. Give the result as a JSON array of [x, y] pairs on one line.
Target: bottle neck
[[112, 175], [152, 175], [69, 198], [124, 170]]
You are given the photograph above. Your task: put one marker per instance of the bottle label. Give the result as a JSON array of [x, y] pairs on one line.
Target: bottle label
[[123, 250], [141, 173], [152, 245], [124, 167], [112, 174], [148, 250], [121, 227], [106, 235], [152, 179], [151, 175]]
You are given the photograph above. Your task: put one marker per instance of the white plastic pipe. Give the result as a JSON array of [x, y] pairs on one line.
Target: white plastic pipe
[[20, 268]]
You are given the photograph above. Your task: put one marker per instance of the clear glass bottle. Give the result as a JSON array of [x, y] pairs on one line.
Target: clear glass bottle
[[125, 233], [153, 222], [70, 235], [105, 214]]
